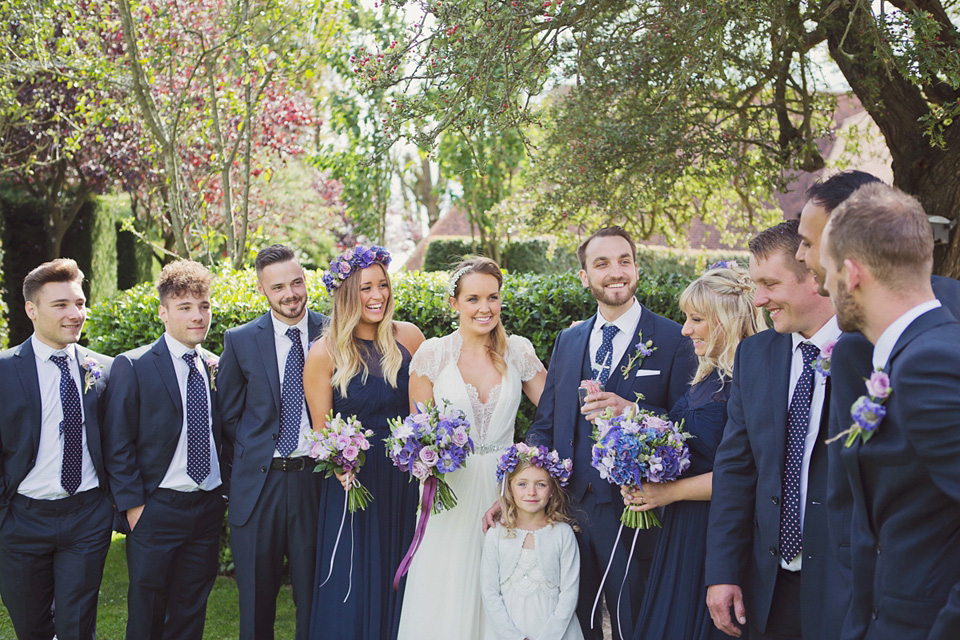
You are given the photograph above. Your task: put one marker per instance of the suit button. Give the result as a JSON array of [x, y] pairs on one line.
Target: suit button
[[263, 469], [773, 551], [273, 436], [875, 613], [878, 548], [774, 499], [571, 443]]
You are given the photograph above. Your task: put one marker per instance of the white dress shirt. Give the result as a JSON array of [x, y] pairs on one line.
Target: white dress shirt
[[176, 477], [827, 333], [623, 340], [43, 480], [283, 350]]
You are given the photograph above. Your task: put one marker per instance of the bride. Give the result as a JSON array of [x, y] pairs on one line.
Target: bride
[[482, 371]]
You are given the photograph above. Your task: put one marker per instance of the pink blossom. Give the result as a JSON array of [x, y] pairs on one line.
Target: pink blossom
[[343, 441], [460, 436], [351, 452], [420, 471], [878, 385]]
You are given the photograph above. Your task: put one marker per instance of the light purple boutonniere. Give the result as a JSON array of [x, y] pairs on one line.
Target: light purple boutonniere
[[868, 411], [822, 364], [641, 350], [93, 372], [213, 364]]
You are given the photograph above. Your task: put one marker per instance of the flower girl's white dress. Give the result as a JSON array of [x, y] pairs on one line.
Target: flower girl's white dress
[[442, 595]]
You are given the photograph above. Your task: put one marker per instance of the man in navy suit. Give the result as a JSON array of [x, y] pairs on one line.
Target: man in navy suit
[[163, 452], [606, 348], [274, 493], [55, 511], [877, 254], [767, 538], [850, 365]]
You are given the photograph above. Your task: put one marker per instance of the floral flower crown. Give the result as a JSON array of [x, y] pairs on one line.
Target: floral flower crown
[[351, 261], [541, 457], [724, 264]]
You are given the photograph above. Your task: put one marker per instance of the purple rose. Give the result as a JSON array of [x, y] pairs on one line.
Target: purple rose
[[351, 452], [460, 436], [429, 456], [420, 471]]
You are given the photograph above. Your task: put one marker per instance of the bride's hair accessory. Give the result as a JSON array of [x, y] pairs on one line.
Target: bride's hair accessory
[[351, 261], [547, 460], [452, 287]]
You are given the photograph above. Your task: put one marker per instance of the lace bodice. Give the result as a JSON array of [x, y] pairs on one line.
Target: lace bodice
[[527, 578], [437, 358]]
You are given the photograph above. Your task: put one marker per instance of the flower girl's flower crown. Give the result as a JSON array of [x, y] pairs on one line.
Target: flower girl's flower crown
[[549, 461], [351, 261]]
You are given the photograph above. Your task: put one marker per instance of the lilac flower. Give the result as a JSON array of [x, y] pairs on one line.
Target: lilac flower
[[867, 414], [878, 385]]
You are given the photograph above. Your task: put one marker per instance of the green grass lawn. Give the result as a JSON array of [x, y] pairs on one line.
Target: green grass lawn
[[222, 608]]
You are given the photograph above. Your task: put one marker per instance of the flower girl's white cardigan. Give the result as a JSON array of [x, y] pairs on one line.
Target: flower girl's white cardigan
[[559, 560]]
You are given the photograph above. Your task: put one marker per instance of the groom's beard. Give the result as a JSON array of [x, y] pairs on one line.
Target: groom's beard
[[289, 312], [850, 316], [613, 298]]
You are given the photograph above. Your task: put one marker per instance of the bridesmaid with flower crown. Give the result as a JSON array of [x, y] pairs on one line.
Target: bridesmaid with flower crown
[[720, 313], [360, 367]]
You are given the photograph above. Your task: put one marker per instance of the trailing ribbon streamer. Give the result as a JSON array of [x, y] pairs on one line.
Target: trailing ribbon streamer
[[633, 545], [613, 553], [426, 506], [336, 544]]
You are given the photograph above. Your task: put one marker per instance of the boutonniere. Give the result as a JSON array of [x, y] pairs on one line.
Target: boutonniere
[[822, 364], [213, 364], [641, 350], [868, 411], [93, 372]]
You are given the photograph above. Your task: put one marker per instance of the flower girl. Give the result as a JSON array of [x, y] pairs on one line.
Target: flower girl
[[530, 571]]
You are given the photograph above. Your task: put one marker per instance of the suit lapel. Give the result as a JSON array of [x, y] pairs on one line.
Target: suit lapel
[[779, 399], [91, 422], [267, 346], [314, 327], [26, 365], [164, 364], [645, 329]]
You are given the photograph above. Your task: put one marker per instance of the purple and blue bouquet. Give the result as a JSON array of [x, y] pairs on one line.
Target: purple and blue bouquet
[[638, 446], [428, 444], [339, 447]]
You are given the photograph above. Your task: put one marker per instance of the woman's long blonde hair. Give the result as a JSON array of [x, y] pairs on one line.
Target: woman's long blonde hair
[[342, 345], [497, 345], [557, 509], [724, 296]]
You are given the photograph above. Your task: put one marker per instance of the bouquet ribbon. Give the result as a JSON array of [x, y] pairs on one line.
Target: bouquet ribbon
[[603, 580], [426, 506], [333, 556]]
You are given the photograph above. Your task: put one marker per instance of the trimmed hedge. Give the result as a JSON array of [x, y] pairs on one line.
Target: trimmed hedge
[[527, 256]]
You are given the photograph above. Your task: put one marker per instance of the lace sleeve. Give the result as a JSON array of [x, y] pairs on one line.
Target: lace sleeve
[[427, 360], [522, 356]]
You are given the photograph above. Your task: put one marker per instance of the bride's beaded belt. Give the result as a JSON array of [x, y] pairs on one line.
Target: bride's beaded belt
[[488, 448]]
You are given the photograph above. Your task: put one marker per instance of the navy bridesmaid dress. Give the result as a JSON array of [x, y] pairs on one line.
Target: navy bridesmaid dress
[[674, 602], [381, 533]]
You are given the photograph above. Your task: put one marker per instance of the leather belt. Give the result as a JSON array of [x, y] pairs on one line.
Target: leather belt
[[293, 464]]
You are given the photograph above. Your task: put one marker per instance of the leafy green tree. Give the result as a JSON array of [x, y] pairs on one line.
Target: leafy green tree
[[666, 110]]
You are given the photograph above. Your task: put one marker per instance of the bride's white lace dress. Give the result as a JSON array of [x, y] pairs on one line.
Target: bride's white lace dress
[[442, 595]]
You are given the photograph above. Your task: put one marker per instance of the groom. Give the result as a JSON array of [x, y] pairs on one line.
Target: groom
[[605, 348]]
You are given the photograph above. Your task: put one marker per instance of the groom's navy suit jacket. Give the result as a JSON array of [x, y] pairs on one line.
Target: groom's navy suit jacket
[[743, 538], [559, 423], [248, 391], [851, 365], [905, 482], [144, 419], [20, 416]]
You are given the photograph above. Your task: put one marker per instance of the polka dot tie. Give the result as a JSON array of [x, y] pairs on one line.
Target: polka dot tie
[[605, 353], [71, 428], [291, 396], [198, 422], [798, 419]]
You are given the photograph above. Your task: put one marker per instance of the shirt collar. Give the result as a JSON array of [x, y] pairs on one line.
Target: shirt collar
[[829, 332], [626, 322], [280, 328], [44, 351], [177, 348], [888, 339]]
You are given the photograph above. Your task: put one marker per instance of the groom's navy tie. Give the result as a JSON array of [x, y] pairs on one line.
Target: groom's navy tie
[[798, 420], [71, 428], [291, 396], [198, 422], [605, 353]]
